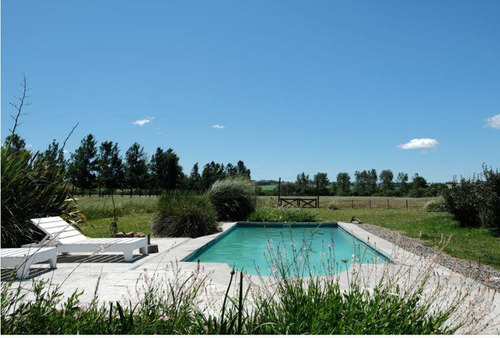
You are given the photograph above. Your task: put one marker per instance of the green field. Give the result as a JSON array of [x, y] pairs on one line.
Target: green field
[[356, 202], [268, 187], [475, 244]]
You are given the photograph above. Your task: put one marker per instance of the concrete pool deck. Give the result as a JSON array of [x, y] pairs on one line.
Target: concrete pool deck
[[119, 280]]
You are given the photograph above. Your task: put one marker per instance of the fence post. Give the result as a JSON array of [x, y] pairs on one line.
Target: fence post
[[388, 204], [370, 202], [279, 192], [406, 203], [352, 204]]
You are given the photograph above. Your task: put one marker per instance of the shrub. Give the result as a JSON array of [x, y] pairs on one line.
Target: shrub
[[461, 202], [332, 205], [490, 211], [475, 202], [183, 214], [233, 198], [282, 215], [437, 205], [31, 188]]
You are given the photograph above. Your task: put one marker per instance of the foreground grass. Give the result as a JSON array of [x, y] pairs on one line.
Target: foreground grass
[[317, 306]]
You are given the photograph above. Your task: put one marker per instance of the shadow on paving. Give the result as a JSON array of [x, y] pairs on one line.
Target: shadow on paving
[[101, 258], [9, 274]]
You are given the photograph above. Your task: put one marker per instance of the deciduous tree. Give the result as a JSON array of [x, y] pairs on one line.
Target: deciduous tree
[[83, 165], [343, 184], [136, 167], [386, 177]]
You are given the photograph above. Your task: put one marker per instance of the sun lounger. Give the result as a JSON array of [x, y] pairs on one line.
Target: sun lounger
[[22, 258], [67, 239]]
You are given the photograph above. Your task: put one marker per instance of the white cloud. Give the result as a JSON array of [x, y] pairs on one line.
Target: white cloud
[[29, 145], [65, 151], [419, 143], [143, 122], [494, 121], [218, 126]]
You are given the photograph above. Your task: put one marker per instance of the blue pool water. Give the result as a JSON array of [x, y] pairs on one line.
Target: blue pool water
[[301, 247]]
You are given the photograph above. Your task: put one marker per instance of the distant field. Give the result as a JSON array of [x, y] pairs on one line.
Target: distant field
[[269, 187], [357, 202], [100, 207]]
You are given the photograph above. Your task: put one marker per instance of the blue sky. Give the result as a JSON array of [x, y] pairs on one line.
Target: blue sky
[[298, 86]]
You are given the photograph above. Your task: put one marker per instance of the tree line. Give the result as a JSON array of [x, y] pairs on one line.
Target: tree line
[[364, 183], [101, 166]]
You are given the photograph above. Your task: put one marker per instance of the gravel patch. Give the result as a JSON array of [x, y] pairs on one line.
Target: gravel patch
[[482, 273]]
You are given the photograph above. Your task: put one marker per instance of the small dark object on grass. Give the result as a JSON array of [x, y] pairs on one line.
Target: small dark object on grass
[[122, 234], [354, 220]]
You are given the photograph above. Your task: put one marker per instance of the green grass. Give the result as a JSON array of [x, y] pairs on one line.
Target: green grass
[[282, 215], [100, 227], [268, 187], [99, 207]]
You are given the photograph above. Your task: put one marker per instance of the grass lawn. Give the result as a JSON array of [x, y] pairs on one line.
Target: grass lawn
[[100, 227], [475, 244], [268, 187]]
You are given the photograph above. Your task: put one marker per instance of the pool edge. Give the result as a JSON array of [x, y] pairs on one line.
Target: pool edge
[[342, 225]]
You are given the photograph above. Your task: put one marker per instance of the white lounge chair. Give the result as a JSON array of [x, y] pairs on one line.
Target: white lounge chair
[[22, 258], [67, 239]]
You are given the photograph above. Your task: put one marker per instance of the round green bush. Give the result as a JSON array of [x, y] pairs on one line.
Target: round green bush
[[437, 205], [183, 214], [233, 198]]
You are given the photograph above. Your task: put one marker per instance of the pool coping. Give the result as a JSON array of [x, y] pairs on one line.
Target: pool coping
[[386, 254]]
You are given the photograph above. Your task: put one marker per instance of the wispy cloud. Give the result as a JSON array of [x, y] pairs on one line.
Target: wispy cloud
[[218, 126], [494, 121], [65, 151], [419, 143], [143, 122], [29, 145]]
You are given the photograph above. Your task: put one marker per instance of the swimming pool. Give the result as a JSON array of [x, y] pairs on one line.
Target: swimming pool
[[287, 249]]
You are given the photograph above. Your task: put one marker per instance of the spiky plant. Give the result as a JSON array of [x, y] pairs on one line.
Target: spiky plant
[[31, 188], [233, 198], [183, 214]]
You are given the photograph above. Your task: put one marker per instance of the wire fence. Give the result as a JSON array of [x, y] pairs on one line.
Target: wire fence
[[357, 202]]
